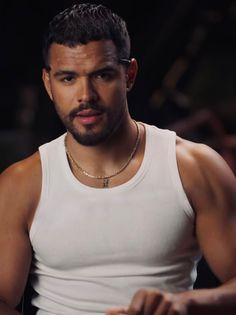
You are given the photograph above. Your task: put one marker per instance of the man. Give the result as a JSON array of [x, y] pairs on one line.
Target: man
[[111, 216]]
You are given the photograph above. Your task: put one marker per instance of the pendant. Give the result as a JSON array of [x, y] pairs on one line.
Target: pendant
[[105, 182]]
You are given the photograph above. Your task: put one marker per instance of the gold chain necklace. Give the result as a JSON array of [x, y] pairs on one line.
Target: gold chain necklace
[[108, 177]]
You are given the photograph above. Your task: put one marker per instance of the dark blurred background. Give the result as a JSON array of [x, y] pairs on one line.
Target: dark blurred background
[[186, 51]]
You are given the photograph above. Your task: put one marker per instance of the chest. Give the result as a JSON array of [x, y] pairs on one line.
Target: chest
[[146, 228]]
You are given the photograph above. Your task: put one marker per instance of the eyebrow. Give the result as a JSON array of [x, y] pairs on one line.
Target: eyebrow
[[64, 72], [60, 73]]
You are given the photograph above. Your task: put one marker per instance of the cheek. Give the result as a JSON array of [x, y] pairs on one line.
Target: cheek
[[63, 97], [114, 95], [120, 98]]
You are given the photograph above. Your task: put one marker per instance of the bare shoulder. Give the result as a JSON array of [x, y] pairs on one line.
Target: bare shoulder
[[22, 173], [20, 186], [202, 158], [203, 171]]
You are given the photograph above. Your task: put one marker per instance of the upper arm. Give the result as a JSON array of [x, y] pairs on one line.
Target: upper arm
[[19, 193], [211, 187]]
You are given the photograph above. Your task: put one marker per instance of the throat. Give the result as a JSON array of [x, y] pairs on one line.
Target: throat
[[105, 179]]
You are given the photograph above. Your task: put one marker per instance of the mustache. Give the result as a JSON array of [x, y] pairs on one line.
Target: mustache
[[86, 105]]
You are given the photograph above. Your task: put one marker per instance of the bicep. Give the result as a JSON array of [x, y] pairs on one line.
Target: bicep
[[216, 236], [15, 252], [19, 192], [215, 206]]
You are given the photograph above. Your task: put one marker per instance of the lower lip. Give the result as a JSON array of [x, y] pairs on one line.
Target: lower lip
[[88, 120]]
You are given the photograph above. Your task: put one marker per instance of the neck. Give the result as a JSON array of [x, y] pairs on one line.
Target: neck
[[104, 159]]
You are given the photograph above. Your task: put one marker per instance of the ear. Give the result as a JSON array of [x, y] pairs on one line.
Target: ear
[[47, 83], [131, 73]]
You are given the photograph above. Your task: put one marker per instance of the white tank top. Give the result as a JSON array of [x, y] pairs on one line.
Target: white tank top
[[94, 248]]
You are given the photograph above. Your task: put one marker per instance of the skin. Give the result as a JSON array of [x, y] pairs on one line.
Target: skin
[[210, 186], [89, 76], [78, 83]]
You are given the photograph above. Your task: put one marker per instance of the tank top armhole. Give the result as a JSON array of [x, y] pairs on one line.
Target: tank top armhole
[[44, 191], [176, 178]]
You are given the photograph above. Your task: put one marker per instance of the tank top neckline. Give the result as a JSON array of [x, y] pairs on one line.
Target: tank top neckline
[[127, 185]]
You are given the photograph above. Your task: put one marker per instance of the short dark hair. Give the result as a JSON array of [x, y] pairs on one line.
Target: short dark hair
[[85, 22]]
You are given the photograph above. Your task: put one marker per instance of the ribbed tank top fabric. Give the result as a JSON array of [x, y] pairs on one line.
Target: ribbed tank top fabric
[[94, 248]]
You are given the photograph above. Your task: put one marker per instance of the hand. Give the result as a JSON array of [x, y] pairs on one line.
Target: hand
[[154, 302]]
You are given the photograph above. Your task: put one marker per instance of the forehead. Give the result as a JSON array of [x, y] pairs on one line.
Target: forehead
[[92, 54]]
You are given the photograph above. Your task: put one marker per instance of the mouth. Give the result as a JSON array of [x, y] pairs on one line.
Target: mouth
[[88, 112], [89, 116]]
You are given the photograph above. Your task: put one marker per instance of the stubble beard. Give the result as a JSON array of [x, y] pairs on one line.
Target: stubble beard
[[90, 137]]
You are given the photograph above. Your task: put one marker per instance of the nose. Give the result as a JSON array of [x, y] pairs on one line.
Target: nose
[[86, 91]]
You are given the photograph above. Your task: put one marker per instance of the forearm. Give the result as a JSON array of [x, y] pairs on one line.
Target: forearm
[[7, 310], [217, 301], [226, 296]]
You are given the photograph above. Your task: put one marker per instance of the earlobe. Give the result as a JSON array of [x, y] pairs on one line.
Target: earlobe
[[131, 73], [46, 81]]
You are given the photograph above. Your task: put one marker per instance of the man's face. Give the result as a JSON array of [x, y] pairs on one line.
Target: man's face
[[88, 86]]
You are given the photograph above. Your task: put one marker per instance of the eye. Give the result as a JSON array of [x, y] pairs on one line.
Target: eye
[[67, 79], [104, 75]]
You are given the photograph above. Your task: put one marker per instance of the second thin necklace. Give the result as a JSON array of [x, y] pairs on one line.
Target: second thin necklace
[[106, 179]]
